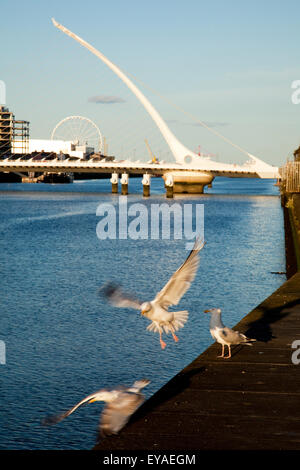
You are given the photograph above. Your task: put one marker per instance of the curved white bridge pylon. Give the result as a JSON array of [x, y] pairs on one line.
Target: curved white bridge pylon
[[182, 154]]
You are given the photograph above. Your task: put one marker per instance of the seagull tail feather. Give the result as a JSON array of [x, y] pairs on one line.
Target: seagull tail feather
[[180, 318], [247, 341]]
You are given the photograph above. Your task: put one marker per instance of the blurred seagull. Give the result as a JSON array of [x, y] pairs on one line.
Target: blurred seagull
[[224, 335], [157, 309], [121, 402]]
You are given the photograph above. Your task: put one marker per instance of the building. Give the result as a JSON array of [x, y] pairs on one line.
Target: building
[[65, 147], [6, 130], [13, 134]]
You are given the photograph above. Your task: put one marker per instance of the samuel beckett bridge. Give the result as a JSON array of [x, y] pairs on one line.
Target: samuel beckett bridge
[[189, 173]]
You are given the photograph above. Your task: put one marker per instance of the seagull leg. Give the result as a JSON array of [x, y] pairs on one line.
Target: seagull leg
[[175, 337], [222, 355], [162, 343], [229, 352]]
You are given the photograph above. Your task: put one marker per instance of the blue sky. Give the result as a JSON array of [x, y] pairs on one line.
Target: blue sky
[[228, 63]]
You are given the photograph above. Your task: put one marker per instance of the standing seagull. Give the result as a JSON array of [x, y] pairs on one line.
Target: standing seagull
[[121, 404], [224, 335], [157, 309]]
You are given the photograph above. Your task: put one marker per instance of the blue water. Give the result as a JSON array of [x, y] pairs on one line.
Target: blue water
[[63, 342]]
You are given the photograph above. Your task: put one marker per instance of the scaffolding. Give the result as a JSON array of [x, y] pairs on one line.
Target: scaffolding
[[6, 131], [20, 142], [14, 135]]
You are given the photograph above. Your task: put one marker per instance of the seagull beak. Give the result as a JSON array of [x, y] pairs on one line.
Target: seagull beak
[[143, 312], [206, 311]]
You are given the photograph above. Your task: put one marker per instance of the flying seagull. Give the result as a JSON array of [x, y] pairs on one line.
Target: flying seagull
[[224, 335], [122, 402], [156, 310]]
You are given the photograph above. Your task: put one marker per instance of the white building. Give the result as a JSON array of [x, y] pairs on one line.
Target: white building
[[66, 147]]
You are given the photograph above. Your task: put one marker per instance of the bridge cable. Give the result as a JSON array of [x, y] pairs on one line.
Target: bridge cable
[[190, 115]]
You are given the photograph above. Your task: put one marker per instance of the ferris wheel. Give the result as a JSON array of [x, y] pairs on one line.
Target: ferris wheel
[[80, 131]]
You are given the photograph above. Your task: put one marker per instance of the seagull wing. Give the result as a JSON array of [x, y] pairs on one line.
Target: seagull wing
[[181, 280], [115, 295], [232, 336], [116, 414], [138, 385], [57, 418]]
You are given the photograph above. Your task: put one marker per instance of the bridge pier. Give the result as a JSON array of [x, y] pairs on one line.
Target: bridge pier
[[124, 184], [191, 182], [114, 183], [146, 185], [169, 185], [31, 178]]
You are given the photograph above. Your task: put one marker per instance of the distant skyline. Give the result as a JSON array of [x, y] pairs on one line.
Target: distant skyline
[[231, 64]]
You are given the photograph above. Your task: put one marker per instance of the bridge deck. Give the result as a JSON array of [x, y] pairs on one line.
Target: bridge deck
[[140, 168], [250, 401]]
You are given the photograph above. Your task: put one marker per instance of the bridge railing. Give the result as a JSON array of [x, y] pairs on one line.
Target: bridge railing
[[290, 177]]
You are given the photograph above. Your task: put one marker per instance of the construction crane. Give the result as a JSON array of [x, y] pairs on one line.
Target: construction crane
[[152, 157]]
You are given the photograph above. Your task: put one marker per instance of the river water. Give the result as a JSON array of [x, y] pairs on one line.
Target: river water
[[63, 342]]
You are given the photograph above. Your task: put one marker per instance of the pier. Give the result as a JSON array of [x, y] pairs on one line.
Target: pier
[[249, 402]]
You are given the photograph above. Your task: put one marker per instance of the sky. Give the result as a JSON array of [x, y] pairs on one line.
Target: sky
[[229, 64]]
